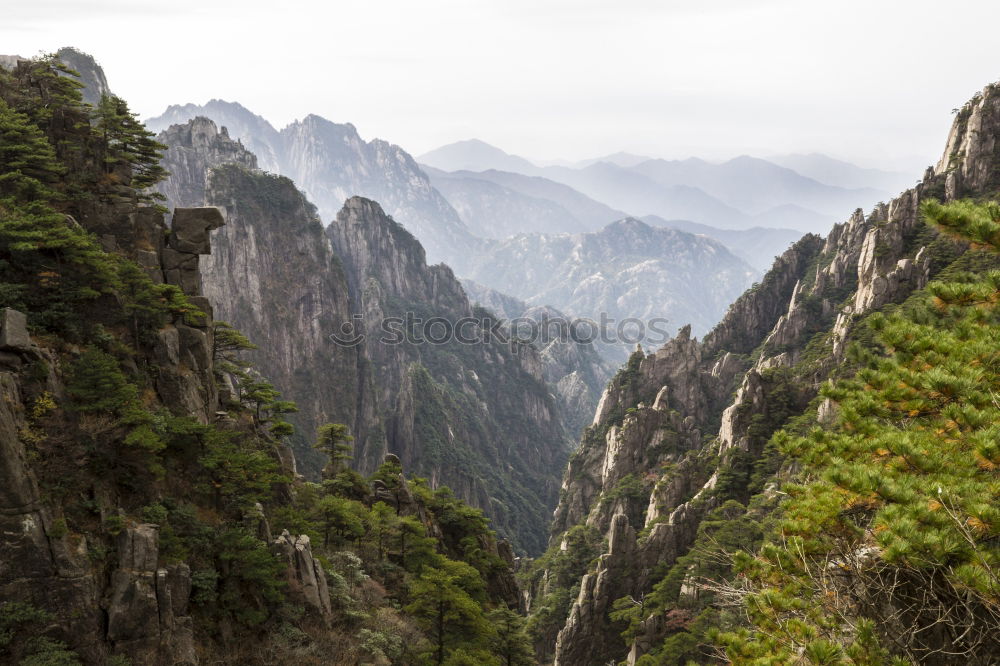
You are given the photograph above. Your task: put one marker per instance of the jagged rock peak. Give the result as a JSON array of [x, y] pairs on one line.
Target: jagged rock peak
[[91, 75], [194, 148], [756, 312], [202, 132], [374, 246], [969, 159], [10, 61], [331, 162]]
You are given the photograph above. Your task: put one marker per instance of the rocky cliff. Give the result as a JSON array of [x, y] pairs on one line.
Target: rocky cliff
[[475, 415], [135, 604], [478, 417], [195, 148], [275, 276], [681, 434], [573, 368], [142, 464], [89, 73], [331, 162]]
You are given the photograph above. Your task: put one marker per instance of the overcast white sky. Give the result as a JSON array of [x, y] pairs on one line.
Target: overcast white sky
[[873, 81]]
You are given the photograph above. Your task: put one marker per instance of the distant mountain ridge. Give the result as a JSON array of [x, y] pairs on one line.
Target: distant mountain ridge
[[628, 269], [474, 155], [739, 193], [331, 162], [550, 206], [491, 210], [754, 185], [557, 208], [757, 246], [832, 171]]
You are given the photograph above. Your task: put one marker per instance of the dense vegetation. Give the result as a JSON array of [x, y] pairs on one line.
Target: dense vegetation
[[414, 574], [887, 550]]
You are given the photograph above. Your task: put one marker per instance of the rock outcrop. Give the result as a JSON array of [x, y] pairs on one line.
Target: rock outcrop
[[37, 565], [89, 73], [573, 366], [147, 605], [194, 149], [970, 155], [274, 275], [255, 281], [140, 609], [305, 574], [185, 347], [14, 331]]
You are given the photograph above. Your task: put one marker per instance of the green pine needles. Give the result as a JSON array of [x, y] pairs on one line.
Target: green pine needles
[[889, 549]]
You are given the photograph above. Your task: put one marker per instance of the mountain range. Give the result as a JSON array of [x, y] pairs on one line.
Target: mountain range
[[627, 270], [290, 282], [738, 193], [213, 449], [472, 221], [331, 162]]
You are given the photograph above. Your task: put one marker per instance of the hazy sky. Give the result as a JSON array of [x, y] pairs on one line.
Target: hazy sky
[[873, 81]]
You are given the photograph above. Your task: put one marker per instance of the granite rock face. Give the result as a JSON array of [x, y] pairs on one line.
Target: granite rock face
[[305, 574], [37, 566], [970, 154], [138, 607], [147, 606], [10, 61], [14, 331], [91, 75], [813, 296], [186, 380], [275, 276], [483, 401]]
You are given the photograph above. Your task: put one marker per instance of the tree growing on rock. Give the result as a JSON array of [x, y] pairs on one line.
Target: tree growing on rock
[[334, 439]]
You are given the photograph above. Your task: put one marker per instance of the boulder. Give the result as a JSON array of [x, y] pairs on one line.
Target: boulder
[[14, 330], [191, 227]]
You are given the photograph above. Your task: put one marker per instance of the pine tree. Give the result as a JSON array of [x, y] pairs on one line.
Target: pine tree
[[97, 384], [341, 517], [446, 611], [511, 641], [28, 164], [889, 546], [227, 342], [128, 145], [334, 439]]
